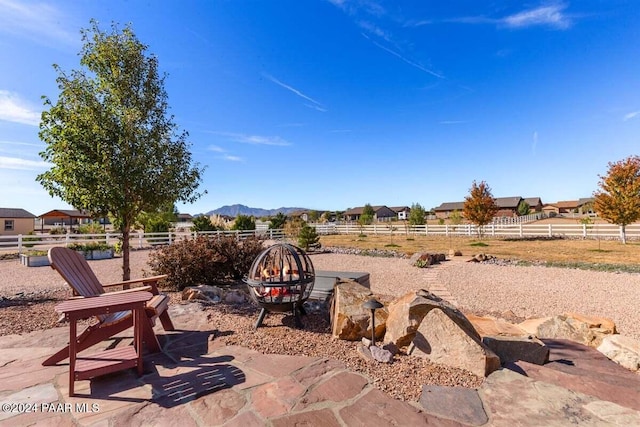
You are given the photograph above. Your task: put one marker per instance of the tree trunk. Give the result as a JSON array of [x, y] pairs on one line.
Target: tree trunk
[[126, 269], [623, 234]]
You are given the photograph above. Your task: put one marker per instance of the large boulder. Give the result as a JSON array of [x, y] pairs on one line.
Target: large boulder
[[440, 339], [508, 341], [513, 348], [406, 314], [212, 294], [349, 320], [582, 329], [625, 351], [490, 326]]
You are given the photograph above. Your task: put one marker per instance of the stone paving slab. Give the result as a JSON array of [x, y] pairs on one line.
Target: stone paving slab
[[197, 381]]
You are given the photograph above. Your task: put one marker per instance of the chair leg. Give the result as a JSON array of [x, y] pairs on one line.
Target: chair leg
[[89, 337], [167, 324], [149, 337]]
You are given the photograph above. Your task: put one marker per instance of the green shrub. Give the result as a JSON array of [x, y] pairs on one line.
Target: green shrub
[[29, 239], [93, 228], [92, 246], [58, 230], [422, 263], [308, 237], [205, 260], [483, 244]]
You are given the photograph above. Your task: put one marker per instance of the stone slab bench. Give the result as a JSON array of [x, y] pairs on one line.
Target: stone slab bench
[[326, 280]]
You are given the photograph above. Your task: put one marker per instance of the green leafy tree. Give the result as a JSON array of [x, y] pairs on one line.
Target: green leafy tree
[[308, 237], [277, 222], [113, 147], [524, 208], [203, 223], [455, 218], [417, 215], [159, 221], [244, 222], [618, 200], [366, 218], [313, 216], [480, 206]]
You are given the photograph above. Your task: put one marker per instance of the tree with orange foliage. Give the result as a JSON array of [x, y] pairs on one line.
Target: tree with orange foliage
[[618, 200], [480, 206]]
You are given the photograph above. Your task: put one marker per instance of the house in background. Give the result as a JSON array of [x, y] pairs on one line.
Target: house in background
[[446, 209], [184, 217], [14, 221], [535, 204], [380, 213], [402, 212], [508, 206], [64, 218], [550, 209]]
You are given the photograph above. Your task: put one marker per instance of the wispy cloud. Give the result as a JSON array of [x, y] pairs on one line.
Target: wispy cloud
[[232, 158], [631, 115], [534, 143], [371, 28], [224, 155], [14, 109], [351, 7], [22, 164], [315, 107], [421, 23], [552, 15], [294, 90], [408, 61], [39, 22], [255, 139]]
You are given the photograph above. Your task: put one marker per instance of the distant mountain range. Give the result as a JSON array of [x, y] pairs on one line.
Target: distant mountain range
[[235, 210]]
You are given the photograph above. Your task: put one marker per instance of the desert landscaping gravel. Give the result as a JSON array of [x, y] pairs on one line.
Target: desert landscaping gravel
[[27, 297]]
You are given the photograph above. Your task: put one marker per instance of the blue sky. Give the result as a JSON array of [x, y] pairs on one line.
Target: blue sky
[[334, 104]]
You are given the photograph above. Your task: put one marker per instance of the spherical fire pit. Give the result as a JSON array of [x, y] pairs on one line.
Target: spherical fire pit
[[280, 280]]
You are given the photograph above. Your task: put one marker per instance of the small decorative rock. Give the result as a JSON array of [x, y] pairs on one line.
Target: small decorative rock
[[380, 354], [235, 296]]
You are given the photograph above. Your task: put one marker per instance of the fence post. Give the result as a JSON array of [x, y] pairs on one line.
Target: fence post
[[375, 229], [67, 239], [584, 231], [140, 234], [19, 243], [493, 229], [520, 227], [550, 232], [169, 237], [446, 229], [426, 229]]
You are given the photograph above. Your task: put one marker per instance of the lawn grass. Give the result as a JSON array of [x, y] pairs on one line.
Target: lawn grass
[[560, 251]]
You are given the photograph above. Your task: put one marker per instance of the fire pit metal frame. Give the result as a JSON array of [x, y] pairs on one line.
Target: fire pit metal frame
[[281, 279]]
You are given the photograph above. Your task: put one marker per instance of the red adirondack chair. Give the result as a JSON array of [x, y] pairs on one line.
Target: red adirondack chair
[[75, 270]]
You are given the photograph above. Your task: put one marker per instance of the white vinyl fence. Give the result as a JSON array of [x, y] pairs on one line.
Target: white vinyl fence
[[137, 240], [585, 231]]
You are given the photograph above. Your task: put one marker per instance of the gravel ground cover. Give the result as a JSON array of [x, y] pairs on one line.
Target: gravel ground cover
[[28, 295]]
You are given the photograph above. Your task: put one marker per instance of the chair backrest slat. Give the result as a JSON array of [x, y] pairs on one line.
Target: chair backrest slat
[[76, 271]]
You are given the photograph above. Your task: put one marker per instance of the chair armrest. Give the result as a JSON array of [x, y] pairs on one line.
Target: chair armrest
[[151, 281], [126, 291]]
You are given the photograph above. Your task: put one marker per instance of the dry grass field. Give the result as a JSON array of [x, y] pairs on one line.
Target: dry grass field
[[552, 251]]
